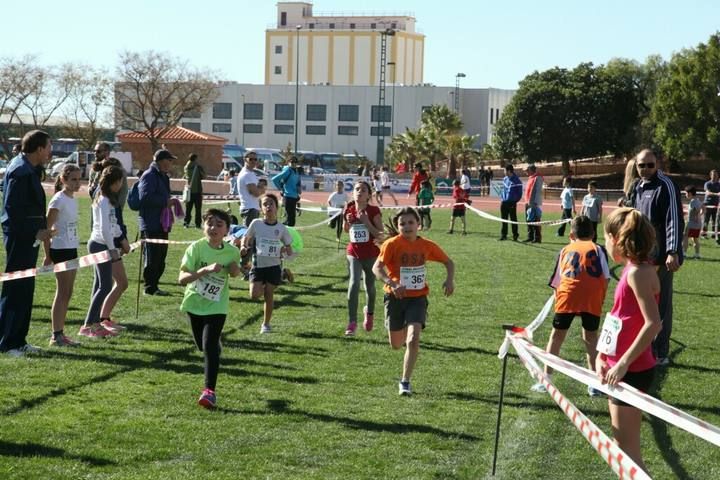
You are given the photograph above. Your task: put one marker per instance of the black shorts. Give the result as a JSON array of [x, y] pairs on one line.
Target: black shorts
[[271, 275], [590, 322], [400, 312], [641, 380], [458, 213], [386, 188], [59, 255]]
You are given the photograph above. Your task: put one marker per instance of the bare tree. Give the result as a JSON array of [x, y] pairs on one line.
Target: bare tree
[[89, 104], [47, 89], [155, 90], [16, 76]]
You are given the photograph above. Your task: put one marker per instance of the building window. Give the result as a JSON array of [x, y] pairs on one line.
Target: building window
[[386, 116], [278, 48], [284, 129], [253, 111], [316, 113], [492, 111], [222, 127], [374, 131], [348, 113], [311, 26], [352, 26], [284, 111], [191, 114], [347, 130], [425, 108], [278, 70], [252, 128], [222, 110], [332, 26], [315, 129], [497, 114], [393, 25], [283, 19], [373, 26], [191, 126]]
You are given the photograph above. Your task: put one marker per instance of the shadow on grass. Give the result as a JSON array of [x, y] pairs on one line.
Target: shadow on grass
[[8, 449], [283, 407], [521, 401], [27, 404], [268, 346], [696, 294], [659, 427]]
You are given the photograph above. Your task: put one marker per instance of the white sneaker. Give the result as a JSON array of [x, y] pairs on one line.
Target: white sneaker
[[15, 353], [538, 388], [265, 328], [31, 349], [404, 388]]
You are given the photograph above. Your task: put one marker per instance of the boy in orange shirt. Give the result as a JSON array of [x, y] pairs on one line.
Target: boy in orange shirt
[[580, 281], [401, 267]]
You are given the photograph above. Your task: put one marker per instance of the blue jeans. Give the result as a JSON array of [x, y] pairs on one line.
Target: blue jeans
[[102, 284]]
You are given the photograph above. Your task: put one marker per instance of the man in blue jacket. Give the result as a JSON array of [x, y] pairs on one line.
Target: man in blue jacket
[[154, 193], [511, 194], [24, 226], [288, 182], [658, 198]]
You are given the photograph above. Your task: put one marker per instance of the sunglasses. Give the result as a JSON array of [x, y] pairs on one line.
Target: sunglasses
[[646, 165]]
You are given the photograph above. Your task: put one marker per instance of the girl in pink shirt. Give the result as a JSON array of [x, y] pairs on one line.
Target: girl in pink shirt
[[625, 344]]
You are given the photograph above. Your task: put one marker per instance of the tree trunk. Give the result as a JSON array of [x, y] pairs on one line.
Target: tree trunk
[[566, 166], [452, 167]]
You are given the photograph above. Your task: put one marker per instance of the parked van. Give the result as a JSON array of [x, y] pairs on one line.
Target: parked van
[[270, 159]]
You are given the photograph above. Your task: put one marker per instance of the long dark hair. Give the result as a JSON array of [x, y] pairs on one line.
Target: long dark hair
[[108, 177]]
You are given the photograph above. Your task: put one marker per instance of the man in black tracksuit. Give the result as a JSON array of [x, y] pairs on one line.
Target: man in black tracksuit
[[658, 198]]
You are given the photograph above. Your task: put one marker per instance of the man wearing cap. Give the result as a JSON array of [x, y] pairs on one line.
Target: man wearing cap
[[288, 182], [533, 203], [154, 193]]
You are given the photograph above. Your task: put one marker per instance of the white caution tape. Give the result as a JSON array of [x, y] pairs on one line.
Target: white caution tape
[[530, 329], [324, 222], [498, 219], [627, 394], [619, 461]]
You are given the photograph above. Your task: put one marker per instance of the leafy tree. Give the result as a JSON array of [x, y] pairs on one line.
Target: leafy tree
[[686, 110], [155, 90]]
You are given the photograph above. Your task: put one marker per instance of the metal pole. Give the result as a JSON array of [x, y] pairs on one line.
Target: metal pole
[[500, 405], [392, 113], [297, 85]]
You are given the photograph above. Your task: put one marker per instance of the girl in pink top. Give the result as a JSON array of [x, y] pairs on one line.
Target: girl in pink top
[[624, 348]]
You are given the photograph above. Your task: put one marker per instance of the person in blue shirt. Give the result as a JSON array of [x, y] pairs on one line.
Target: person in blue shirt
[[567, 201], [288, 182], [24, 226], [511, 194]]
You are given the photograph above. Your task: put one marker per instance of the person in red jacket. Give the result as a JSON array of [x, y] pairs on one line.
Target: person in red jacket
[[419, 176]]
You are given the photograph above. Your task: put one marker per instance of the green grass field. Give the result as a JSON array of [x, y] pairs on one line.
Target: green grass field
[[305, 402]]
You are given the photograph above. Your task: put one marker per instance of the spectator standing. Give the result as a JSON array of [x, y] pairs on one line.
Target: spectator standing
[[567, 201], [154, 190], [247, 189], [694, 221], [385, 182], [288, 182], [592, 207], [711, 202], [658, 198], [511, 194], [533, 204], [419, 176], [465, 180], [24, 226], [194, 174]]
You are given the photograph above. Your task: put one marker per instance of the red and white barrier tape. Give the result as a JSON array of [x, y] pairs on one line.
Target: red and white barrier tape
[[627, 394], [616, 458], [498, 219]]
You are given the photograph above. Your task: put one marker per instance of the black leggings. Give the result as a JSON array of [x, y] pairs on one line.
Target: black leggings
[[206, 331]]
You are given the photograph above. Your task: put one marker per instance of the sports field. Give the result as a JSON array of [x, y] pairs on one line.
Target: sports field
[[305, 402]]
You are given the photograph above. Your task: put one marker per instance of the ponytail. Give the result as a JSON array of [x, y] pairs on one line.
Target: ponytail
[[633, 233], [64, 174]]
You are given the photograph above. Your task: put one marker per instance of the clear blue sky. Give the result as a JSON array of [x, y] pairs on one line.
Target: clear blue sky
[[494, 43]]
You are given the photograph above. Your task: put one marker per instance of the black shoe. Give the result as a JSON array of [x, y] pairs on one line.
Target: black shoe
[[502, 239], [536, 241], [515, 238], [158, 292], [528, 240]]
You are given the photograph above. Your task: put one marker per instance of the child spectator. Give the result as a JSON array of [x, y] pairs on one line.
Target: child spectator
[[336, 201], [377, 186], [694, 221], [204, 272], [363, 222], [460, 198], [272, 240], [580, 280], [592, 207], [105, 229], [624, 349], [425, 197], [567, 201], [62, 218], [401, 266], [385, 182]]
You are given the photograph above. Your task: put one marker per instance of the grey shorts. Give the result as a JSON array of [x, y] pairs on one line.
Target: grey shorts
[[400, 312], [248, 215]]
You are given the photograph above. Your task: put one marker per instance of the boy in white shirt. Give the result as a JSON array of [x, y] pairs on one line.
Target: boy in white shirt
[[337, 200], [567, 200]]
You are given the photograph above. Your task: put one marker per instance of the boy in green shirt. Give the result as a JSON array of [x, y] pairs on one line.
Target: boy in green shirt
[[425, 197]]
